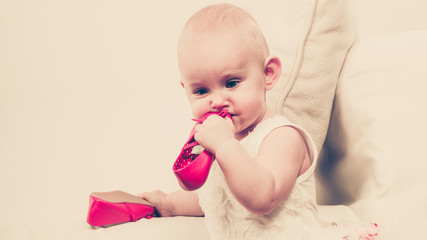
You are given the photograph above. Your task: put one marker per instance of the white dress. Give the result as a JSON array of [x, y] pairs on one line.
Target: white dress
[[294, 218]]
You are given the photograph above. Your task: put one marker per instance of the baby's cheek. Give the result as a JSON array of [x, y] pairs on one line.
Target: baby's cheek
[[251, 102], [199, 108]]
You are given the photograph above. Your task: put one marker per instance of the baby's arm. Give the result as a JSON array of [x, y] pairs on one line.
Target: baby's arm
[[260, 183], [179, 203]]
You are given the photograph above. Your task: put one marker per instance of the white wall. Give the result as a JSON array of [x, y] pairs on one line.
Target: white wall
[[385, 16], [80, 82]]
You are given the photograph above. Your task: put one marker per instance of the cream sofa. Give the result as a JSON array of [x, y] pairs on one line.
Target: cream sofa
[[90, 101]]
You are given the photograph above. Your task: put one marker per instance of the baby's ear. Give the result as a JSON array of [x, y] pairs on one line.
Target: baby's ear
[[272, 71], [182, 84]]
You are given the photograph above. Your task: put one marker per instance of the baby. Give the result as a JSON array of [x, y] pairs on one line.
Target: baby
[[261, 185]]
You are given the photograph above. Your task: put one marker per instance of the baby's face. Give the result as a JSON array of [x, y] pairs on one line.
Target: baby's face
[[222, 72]]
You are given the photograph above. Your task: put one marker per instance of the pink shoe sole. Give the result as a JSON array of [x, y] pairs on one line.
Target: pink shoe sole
[[110, 208], [191, 169]]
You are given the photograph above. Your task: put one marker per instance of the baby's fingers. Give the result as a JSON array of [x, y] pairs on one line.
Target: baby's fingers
[[157, 198], [152, 197], [143, 194]]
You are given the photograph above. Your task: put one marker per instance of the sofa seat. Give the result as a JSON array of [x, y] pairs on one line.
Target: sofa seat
[[155, 228]]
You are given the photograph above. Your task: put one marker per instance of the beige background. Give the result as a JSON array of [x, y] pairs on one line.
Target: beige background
[[90, 98]]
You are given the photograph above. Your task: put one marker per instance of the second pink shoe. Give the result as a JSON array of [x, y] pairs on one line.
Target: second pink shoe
[[193, 163]]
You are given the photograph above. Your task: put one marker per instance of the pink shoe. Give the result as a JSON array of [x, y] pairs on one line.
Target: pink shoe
[[109, 208], [192, 169]]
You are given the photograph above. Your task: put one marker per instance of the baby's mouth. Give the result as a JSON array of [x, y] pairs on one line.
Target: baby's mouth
[[232, 114]]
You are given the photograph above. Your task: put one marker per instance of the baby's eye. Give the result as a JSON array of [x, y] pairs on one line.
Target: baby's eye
[[201, 91], [231, 84]]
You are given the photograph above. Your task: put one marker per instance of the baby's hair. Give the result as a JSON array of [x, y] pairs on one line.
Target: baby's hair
[[221, 18]]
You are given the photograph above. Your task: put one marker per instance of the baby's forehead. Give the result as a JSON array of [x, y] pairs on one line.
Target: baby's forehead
[[216, 47], [236, 38], [193, 37]]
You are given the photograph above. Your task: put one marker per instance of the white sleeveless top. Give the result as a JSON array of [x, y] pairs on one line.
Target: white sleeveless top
[[226, 218]]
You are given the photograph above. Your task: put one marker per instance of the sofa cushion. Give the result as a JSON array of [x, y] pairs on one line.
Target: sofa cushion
[[156, 228], [313, 56], [377, 137]]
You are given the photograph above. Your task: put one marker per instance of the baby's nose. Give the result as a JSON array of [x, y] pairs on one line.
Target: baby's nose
[[219, 101]]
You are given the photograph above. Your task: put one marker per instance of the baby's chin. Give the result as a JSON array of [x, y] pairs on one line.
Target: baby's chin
[[242, 132]]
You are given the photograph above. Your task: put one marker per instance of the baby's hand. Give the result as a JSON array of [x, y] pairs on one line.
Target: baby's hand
[[158, 199], [214, 131]]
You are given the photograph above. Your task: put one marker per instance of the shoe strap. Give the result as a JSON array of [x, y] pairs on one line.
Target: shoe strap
[[132, 216], [191, 145], [222, 114]]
